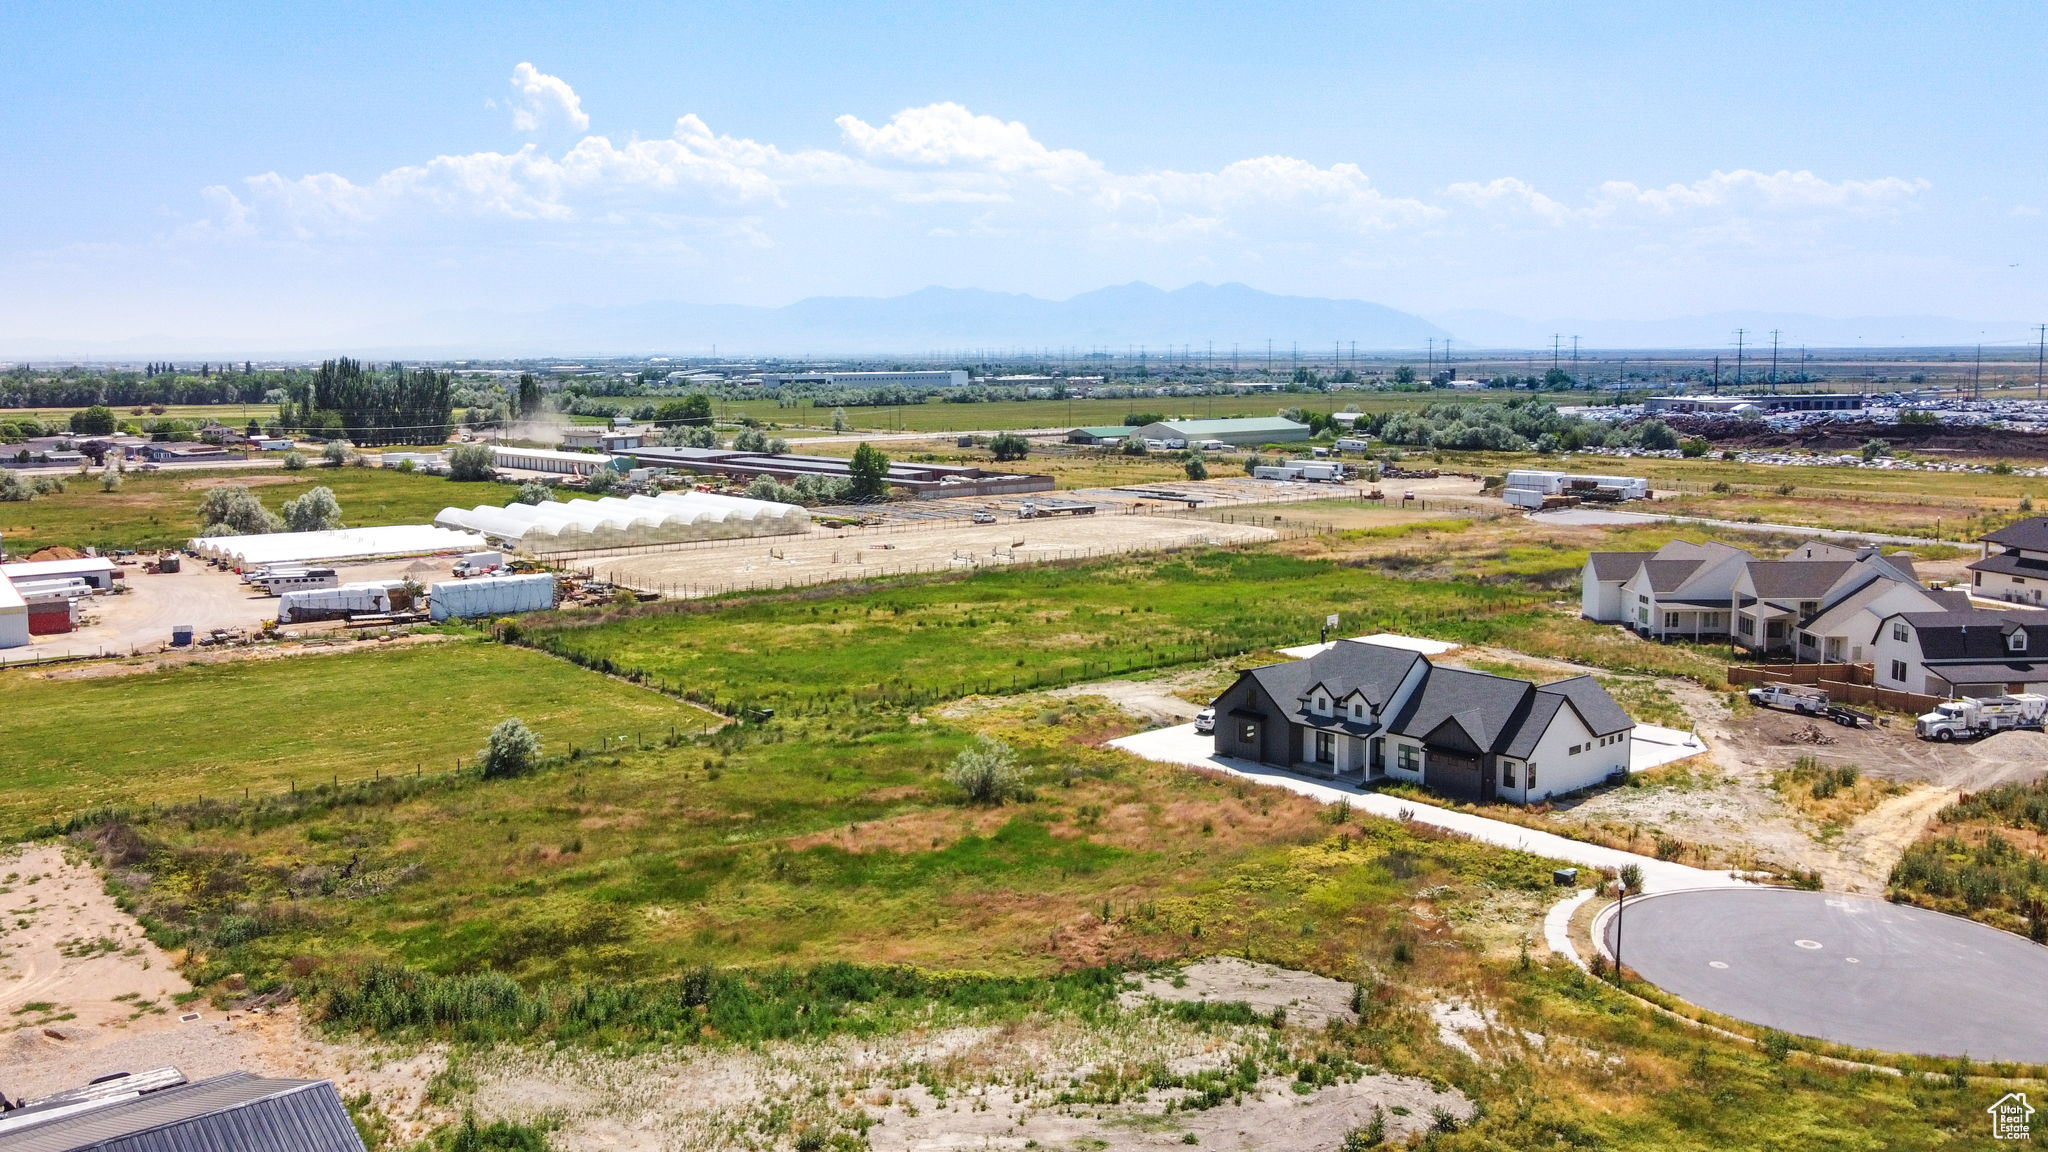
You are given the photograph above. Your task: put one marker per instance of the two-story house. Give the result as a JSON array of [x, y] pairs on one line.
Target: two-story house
[[1786, 606], [2018, 571], [1974, 652], [1368, 712]]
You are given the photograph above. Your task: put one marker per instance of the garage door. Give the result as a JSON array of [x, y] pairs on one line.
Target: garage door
[[1461, 777]]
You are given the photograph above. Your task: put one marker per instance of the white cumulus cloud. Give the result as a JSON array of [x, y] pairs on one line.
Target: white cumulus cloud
[[544, 101]]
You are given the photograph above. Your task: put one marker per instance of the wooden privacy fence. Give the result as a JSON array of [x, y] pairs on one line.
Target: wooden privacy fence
[[1844, 684]]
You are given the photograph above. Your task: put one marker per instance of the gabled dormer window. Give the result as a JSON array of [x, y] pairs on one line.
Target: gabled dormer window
[[2017, 641], [1357, 710]]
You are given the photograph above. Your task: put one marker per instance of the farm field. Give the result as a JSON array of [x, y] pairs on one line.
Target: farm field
[[234, 415], [211, 730], [161, 509]]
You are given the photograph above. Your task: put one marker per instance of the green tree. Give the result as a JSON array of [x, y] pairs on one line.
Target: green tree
[[233, 510], [870, 472], [694, 409], [602, 482], [315, 511], [335, 452], [1196, 467], [1253, 463], [110, 481], [1135, 446], [1009, 446], [472, 462], [750, 440], [1693, 447], [512, 750], [529, 394], [97, 420], [839, 419], [1404, 375], [295, 461]]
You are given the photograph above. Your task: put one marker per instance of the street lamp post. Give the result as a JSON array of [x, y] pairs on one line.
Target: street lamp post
[[1620, 900]]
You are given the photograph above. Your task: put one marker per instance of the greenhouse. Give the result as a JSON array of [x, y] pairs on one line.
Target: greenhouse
[[627, 522], [246, 552]]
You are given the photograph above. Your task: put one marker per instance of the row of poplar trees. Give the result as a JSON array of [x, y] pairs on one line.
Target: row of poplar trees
[[345, 400]]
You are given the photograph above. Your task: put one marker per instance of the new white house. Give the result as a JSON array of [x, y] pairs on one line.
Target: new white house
[[1368, 711], [1818, 602], [1975, 652], [2018, 571]]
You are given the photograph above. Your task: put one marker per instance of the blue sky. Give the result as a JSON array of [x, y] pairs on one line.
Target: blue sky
[[306, 173]]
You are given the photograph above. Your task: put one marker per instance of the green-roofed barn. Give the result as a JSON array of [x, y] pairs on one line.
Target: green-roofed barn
[[1105, 434], [1250, 431]]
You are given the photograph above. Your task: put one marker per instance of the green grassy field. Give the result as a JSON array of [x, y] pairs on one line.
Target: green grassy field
[[999, 631], [161, 509], [211, 730], [234, 415]]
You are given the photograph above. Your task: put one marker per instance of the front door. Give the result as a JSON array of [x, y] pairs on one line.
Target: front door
[[1326, 747], [1379, 756]]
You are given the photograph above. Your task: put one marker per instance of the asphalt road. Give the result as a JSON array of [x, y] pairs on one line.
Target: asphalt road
[[1851, 969], [1606, 516]]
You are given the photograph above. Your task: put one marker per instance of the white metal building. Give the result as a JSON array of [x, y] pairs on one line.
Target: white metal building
[[548, 460], [281, 548], [97, 571], [1549, 483], [13, 617], [953, 378], [625, 522]]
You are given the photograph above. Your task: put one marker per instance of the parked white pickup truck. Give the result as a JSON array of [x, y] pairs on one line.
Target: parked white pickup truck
[[1794, 697]]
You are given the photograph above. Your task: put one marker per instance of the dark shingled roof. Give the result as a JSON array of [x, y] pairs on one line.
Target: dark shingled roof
[[1796, 579], [1667, 575], [1975, 636], [1486, 707], [2012, 564], [1374, 669], [2010, 672], [1593, 704], [1617, 565], [2030, 534]]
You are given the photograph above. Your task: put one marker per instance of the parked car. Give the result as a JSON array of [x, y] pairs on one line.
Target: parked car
[[1205, 720], [984, 516]]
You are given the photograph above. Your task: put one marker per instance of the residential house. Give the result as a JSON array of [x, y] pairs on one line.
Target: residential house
[[1975, 652], [1818, 602], [2018, 571], [186, 452], [1367, 712], [1777, 600]]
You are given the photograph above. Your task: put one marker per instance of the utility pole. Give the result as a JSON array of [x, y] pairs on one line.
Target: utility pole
[[2040, 357], [1431, 354], [1977, 375], [1555, 338], [1717, 373], [1774, 361], [1739, 333], [1575, 357]]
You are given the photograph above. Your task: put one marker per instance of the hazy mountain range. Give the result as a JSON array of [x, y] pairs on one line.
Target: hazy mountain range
[[952, 321]]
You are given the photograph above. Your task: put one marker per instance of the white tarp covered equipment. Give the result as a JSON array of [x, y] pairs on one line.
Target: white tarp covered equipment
[[625, 522], [492, 596], [275, 548], [366, 596]]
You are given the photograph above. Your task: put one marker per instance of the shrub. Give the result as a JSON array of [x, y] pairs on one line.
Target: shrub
[[1195, 466], [13, 489], [233, 510], [295, 461], [513, 750], [471, 462], [1135, 446], [535, 492], [336, 453], [110, 481], [1009, 446], [315, 511], [987, 772], [601, 482]]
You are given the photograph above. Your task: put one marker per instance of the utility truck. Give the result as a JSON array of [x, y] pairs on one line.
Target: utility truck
[[1967, 718]]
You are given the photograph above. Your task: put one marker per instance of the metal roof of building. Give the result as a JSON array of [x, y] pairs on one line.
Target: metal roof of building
[[236, 1112], [1225, 427]]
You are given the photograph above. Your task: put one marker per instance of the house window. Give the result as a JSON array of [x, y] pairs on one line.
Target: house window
[[1249, 734], [1578, 748], [1746, 626], [2017, 642], [1898, 629], [1507, 774], [1531, 781], [1410, 758], [1977, 579], [1671, 619], [1899, 671], [1326, 748], [1357, 710]]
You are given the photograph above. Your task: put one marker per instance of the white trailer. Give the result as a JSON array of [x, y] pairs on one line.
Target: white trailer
[[1968, 718], [279, 582], [362, 598]]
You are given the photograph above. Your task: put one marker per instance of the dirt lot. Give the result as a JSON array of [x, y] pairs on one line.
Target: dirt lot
[[139, 620], [854, 553]]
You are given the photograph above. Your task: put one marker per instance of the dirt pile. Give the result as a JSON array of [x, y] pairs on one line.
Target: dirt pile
[[2005, 758], [1850, 435]]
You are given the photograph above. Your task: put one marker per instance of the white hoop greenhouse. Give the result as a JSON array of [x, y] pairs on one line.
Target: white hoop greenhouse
[[341, 544], [631, 521]]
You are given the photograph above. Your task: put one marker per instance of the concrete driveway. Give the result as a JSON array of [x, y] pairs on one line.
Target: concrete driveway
[[1183, 745], [1854, 970]]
